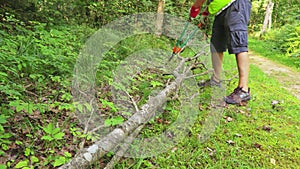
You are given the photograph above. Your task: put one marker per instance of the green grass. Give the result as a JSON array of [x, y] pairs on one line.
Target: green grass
[[46, 102], [268, 50], [264, 136]]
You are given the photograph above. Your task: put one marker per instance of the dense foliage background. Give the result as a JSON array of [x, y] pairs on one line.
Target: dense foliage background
[[39, 43], [285, 16]]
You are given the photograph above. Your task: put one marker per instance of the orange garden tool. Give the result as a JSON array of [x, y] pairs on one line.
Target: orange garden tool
[[181, 43]]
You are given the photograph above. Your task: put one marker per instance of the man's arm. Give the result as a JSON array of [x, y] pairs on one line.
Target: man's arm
[[198, 3], [195, 9]]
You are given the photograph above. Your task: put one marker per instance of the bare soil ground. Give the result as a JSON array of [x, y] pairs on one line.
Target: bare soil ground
[[289, 78]]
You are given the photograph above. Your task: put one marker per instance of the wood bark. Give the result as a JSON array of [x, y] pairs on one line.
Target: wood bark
[[160, 17], [268, 18], [116, 158]]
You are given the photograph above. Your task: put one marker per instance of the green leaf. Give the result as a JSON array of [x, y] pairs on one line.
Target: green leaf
[[79, 106], [107, 122], [26, 168], [34, 159], [59, 161], [108, 104], [19, 108], [18, 142], [48, 138], [30, 108], [3, 74], [59, 136], [6, 135], [67, 154], [19, 66], [55, 131], [27, 152], [113, 121], [49, 128], [88, 106], [155, 83], [2, 166], [22, 164], [14, 103], [3, 119], [1, 128], [118, 120]]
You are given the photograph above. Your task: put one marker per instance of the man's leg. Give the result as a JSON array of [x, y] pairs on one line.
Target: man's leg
[[217, 60], [237, 17], [242, 92], [243, 64], [215, 80], [217, 47]]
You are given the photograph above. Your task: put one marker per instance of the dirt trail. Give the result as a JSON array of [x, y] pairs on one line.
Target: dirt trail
[[289, 78]]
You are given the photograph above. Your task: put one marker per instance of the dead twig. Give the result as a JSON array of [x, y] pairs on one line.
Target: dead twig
[[81, 145], [133, 102], [97, 128], [200, 74]]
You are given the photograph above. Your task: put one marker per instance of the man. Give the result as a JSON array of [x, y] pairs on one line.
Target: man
[[229, 31]]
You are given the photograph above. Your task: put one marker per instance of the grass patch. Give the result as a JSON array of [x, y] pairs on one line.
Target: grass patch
[[260, 135], [268, 50], [38, 127]]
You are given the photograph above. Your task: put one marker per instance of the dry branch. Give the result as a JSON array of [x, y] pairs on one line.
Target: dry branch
[[89, 155], [123, 148]]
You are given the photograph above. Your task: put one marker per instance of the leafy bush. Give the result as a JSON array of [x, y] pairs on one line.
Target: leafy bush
[[35, 54], [35, 74], [287, 39]]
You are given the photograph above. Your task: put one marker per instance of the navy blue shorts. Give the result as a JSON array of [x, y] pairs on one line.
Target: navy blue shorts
[[230, 28]]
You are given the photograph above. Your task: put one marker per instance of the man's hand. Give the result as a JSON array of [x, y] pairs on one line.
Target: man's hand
[[204, 20], [205, 14], [194, 11]]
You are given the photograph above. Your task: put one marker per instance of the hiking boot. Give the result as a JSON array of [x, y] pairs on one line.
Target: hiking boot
[[210, 82], [238, 96]]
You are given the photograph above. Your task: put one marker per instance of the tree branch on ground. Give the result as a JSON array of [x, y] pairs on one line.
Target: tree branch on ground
[[110, 142]]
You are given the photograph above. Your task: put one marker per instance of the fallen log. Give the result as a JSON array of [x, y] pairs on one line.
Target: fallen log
[[84, 85], [114, 139]]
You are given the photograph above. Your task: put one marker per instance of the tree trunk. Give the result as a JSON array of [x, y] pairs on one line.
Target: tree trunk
[[160, 17], [268, 18], [118, 136]]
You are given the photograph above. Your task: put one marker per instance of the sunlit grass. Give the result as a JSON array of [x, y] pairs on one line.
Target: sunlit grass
[[268, 50], [260, 135]]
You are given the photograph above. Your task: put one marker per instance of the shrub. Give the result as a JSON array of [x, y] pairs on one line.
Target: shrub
[[287, 39]]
